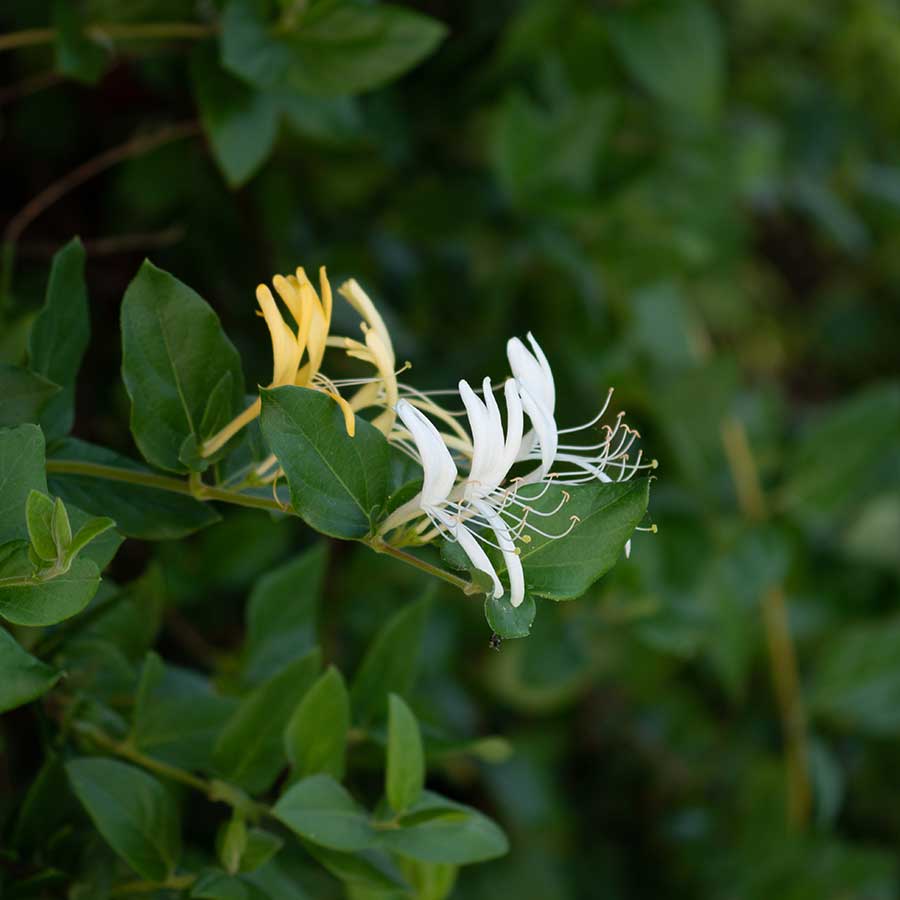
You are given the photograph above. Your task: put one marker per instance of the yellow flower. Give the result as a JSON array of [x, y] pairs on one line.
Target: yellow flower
[[311, 314], [378, 351]]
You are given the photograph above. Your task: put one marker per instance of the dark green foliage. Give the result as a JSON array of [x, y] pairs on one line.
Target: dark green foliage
[[694, 202]]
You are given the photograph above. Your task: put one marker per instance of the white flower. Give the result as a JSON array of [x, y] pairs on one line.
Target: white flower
[[478, 499], [578, 463]]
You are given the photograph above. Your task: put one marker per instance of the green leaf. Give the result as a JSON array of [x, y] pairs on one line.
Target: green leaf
[[261, 847], [22, 677], [315, 739], [231, 842], [214, 885], [366, 869], [820, 484], [338, 483], [405, 775], [857, 681], [335, 47], [139, 511], [60, 335], [390, 663], [543, 157], [431, 881], [52, 601], [240, 122], [608, 514], [21, 471], [77, 56], [89, 531], [281, 614], [332, 120], [61, 528], [24, 393], [174, 353], [439, 830], [132, 810], [250, 749], [178, 715], [508, 621], [674, 50], [320, 810], [38, 517]]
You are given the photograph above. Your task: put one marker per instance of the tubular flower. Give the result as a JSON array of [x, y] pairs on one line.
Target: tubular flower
[[486, 505], [377, 350], [577, 463], [311, 315], [449, 508]]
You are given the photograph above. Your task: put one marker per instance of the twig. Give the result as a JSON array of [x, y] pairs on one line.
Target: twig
[[100, 32], [133, 147]]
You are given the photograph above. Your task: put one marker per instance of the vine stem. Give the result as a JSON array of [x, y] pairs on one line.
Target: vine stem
[[780, 643], [195, 488], [100, 31], [380, 546], [217, 791], [201, 492], [135, 146]]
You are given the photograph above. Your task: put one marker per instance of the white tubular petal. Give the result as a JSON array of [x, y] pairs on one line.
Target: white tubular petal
[[628, 549], [470, 547], [532, 374], [437, 463], [479, 425], [549, 399], [508, 549], [514, 425], [544, 426]]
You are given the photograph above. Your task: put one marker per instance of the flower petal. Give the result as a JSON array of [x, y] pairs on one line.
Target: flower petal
[[508, 549], [532, 373], [437, 463], [470, 546], [285, 351], [547, 434]]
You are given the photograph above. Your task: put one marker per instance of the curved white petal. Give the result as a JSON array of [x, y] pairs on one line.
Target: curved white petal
[[508, 549], [470, 547], [514, 426], [437, 463], [545, 428], [532, 372], [484, 438], [549, 400]]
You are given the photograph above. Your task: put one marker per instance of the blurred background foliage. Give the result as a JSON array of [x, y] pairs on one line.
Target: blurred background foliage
[[695, 202]]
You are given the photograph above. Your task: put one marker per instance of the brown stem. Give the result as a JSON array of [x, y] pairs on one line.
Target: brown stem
[[790, 704], [131, 148], [782, 653], [101, 31]]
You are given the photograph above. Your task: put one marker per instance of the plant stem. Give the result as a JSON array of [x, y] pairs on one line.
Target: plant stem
[[203, 492], [99, 31], [790, 703], [160, 482], [380, 546], [215, 790], [131, 148], [782, 653]]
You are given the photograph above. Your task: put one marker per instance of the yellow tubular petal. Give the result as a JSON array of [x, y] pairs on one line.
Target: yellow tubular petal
[[384, 362], [349, 418], [367, 395], [362, 303], [325, 293], [290, 295], [285, 353]]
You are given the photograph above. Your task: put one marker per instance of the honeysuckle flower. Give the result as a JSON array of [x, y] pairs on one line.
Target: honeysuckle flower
[[311, 314], [377, 350], [571, 463], [477, 500]]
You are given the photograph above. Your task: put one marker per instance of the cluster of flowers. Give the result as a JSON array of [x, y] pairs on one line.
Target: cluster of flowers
[[485, 506]]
